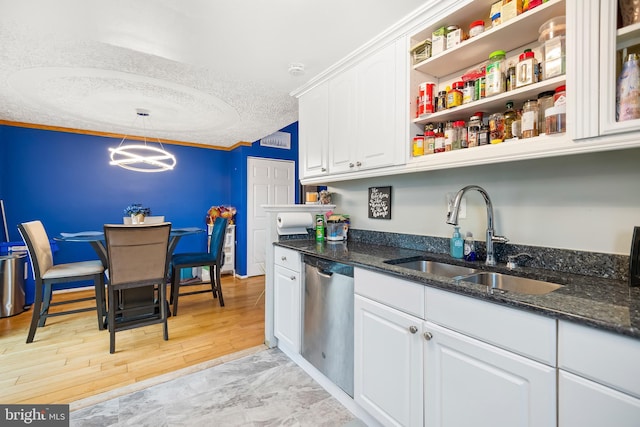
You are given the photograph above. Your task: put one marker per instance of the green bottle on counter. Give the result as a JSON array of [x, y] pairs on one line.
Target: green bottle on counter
[[319, 228]]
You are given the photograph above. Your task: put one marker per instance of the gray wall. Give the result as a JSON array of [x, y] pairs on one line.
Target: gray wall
[[588, 202]]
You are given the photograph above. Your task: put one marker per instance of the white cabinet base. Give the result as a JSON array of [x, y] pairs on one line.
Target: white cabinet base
[[585, 403], [471, 383], [388, 363]]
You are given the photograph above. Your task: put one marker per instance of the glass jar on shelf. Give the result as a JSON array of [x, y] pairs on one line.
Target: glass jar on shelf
[[495, 73], [473, 130], [545, 100], [530, 119], [429, 139], [496, 128], [449, 135], [510, 116]]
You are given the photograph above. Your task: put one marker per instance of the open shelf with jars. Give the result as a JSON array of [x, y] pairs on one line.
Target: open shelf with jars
[[512, 36], [521, 30]]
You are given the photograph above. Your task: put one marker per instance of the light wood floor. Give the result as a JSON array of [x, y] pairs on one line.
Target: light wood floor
[[69, 358]]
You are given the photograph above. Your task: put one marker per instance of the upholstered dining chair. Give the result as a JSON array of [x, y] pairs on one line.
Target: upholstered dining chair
[[47, 275], [214, 259], [137, 277]]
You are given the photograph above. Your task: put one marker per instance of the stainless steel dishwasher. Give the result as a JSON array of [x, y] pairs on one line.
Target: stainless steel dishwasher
[[327, 335]]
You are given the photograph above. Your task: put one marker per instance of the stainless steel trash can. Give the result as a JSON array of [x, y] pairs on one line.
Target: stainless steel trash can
[[12, 294]]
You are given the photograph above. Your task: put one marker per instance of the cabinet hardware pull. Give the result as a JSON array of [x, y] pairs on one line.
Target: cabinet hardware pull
[[351, 165], [323, 169], [413, 329], [358, 164], [428, 336], [292, 278], [284, 258]]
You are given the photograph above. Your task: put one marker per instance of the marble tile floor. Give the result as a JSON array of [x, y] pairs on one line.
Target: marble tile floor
[[265, 388]]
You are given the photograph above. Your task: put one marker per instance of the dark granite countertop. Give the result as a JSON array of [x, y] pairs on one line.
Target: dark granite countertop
[[601, 303]]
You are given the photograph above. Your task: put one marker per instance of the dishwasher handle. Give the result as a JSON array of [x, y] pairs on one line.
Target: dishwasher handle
[[324, 273]]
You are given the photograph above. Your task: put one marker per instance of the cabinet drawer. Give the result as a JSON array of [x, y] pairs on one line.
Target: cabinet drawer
[[287, 258], [390, 291], [524, 333], [604, 357]]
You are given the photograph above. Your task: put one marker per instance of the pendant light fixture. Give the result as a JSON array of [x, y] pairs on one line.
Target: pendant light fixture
[[142, 157]]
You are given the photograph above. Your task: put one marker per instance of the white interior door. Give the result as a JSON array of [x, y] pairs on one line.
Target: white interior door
[[270, 182]]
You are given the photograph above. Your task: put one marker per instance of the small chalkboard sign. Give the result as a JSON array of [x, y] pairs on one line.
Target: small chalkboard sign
[[380, 202]]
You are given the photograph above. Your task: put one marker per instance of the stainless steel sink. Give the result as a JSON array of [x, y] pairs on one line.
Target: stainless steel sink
[[433, 267], [505, 282]]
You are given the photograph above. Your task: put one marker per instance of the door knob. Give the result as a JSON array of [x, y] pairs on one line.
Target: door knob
[[358, 164], [427, 336], [413, 329], [351, 165]]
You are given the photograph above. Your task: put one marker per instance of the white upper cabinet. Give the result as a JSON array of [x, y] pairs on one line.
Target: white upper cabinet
[[313, 124], [615, 45], [371, 100], [366, 129]]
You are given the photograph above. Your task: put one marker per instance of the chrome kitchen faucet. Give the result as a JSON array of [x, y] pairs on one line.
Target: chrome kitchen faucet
[[452, 218]]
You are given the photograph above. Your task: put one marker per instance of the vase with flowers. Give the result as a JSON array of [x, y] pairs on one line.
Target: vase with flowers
[[137, 212]]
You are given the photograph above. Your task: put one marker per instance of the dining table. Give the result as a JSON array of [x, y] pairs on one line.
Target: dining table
[[127, 297], [96, 240]]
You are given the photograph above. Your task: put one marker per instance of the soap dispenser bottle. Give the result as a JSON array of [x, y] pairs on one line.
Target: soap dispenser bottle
[[457, 244]]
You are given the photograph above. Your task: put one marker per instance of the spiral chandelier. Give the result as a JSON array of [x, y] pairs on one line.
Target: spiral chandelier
[[142, 157]]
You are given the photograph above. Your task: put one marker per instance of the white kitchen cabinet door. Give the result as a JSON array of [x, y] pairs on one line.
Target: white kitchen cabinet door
[[313, 122], [471, 383], [343, 126], [585, 403], [388, 377], [380, 124], [366, 126], [287, 322]]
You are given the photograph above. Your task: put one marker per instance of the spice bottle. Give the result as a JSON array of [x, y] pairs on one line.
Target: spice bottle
[[454, 95], [449, 135], [509, 117], [418, 146], [511, 77], [459, 135], [441, 105], [483, 136], [440, 140], [480, 86], [473, 130], [496, 128], [469, 92], [526, 70], [429, 139], [530, 119]]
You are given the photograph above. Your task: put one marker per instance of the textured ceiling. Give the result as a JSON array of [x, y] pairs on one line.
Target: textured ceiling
[[210, 72]]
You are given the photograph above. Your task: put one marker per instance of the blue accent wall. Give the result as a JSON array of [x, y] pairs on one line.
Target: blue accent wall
[[64, 179]]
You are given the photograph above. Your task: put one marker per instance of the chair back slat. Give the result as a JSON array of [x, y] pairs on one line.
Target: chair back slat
[[217, 237], [137, 254], [38, 246]]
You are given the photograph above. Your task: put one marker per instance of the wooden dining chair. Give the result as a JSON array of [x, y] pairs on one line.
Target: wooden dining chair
[[214, 259], [47, 275], [136, 288]]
